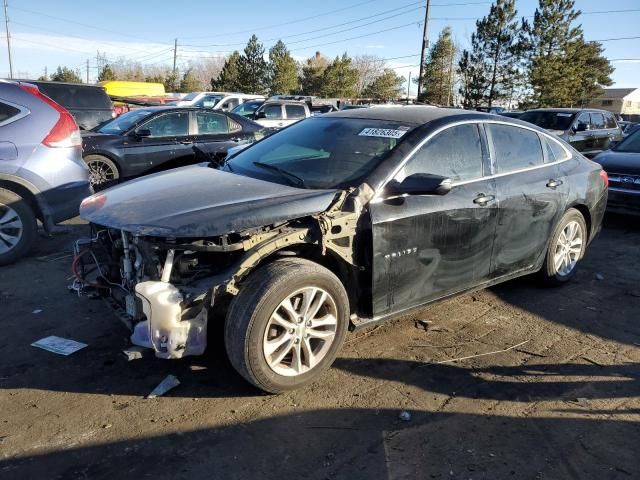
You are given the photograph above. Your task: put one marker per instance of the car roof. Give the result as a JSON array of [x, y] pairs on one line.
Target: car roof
[[567, 110], [413, 114], [168, 108]]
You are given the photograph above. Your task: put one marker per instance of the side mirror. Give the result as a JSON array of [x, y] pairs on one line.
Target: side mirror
[[143, 133], [261, 114], [582, 127], [420, 184]]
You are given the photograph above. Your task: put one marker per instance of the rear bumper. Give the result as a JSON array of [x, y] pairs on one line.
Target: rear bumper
[[624, 201], [63, 202]]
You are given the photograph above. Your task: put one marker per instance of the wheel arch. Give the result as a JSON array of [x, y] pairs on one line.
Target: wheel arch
[[586, 214], [108, 155], [27, 194]]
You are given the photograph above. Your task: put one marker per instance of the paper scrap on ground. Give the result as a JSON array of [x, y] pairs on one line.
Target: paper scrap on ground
[[59, 345], [164, 386]]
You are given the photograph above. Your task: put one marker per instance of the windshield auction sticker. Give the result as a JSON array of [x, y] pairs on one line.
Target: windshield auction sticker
[[382, 133]]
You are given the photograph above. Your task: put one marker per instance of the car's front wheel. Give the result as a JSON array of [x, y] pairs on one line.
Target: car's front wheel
[[287, 324], [102, 170], [18, 227], [566, 248]]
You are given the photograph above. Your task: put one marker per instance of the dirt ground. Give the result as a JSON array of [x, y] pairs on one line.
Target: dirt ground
[[564, 404]]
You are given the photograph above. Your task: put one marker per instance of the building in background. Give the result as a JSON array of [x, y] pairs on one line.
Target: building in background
[[623, 101]]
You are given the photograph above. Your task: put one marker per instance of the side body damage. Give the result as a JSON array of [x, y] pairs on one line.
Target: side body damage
[[167, 289]]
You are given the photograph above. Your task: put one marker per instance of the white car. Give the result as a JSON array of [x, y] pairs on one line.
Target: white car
[[281, 113], [216, 100]]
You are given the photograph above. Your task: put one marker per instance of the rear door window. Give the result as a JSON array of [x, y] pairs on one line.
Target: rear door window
[[583, 122], [597, 121], [514, 148], [273, 112], [211, 123], [295, 111], [454, 153]]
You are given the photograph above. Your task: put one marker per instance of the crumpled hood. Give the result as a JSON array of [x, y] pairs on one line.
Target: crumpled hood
[[199, 201]]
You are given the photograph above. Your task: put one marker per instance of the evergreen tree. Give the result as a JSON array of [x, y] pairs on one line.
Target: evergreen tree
[[438, 76], [473, 76], [387, 86], [311, 81], [189, 83], [340, 78], [229, 78], [283, 70], [497, 44], [559, 64], [106, 74], [252, 68], [64, 74]]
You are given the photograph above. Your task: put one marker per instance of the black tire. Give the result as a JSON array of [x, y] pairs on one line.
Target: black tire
[[549, 273], [29, 228], [108, 174], [250, 311]]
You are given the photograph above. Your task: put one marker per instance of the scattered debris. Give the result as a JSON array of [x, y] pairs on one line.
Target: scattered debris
[[170, 382], [405, 416], [593, 362], [424, 324], [107, 425], [594, 309], [37, 311], [454, 344], [134, 352], [59, 345], [478, 355], [599, 276], [583, 402], [363, 335]]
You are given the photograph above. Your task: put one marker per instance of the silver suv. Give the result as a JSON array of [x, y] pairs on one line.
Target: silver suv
[[42, 175]]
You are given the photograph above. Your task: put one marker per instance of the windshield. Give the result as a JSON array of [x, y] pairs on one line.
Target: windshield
[[190, 96], [630, 144], [123, 123], [549, 120], [320, 152]]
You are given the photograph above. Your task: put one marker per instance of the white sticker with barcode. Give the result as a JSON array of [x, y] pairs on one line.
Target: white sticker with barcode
[[382, 132]]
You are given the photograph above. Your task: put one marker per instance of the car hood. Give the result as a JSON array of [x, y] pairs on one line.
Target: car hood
[[619, 162], [199, 201]]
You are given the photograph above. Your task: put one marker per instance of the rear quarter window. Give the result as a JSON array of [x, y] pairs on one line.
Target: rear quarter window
[[7, 112], [295, 111], [555, 152], [514, 148], [610, 122]]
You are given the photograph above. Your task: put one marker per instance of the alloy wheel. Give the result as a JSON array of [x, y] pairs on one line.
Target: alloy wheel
[[11, 228], [100, 172], [300, 331], [568, 248]]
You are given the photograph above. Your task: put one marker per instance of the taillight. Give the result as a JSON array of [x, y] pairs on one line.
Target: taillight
[[92, 203], [65, 132], [605, 178]]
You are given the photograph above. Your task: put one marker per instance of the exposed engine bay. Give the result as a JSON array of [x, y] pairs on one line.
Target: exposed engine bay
[[165, 288]]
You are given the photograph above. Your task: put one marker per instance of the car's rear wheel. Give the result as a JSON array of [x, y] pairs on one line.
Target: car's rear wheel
[[287, 324], [18, 227], [102, 170], [566, 248]]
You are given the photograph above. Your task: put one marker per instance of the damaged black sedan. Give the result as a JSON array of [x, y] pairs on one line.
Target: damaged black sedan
[[336, 222]]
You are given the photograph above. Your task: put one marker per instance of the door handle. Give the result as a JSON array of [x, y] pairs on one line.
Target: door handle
[[483, 199], [554, 183], [186, 142]]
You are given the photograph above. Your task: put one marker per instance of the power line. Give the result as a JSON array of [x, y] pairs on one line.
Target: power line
[[323, 29], [614, 39]]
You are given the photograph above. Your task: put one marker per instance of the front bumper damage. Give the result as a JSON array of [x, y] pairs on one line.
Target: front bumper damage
[[168, 289]]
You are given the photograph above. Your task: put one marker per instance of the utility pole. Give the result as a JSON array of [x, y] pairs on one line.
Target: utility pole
[[87, 70], [6, 24], [175, 54], [425, 45], [408, 87]]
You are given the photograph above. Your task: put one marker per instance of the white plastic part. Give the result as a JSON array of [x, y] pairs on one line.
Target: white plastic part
[[164, 330]]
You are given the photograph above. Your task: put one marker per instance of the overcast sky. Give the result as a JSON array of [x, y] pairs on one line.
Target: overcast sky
[[68, 32]]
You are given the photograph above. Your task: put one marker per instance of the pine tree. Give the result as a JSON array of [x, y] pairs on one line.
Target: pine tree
[[340, 78], [171, 82], [438, 76], [252, 68], [311, 81], [64, 74], [558, 62], [229, 78], [189, 83], [496, 43], [283, 70], [473, 76], [386, 87], [106, 74]]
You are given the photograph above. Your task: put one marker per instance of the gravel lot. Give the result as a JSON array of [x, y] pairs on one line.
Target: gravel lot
[[564, 404]]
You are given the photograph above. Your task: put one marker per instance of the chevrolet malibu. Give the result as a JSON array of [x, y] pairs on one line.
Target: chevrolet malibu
[[335, 223]]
